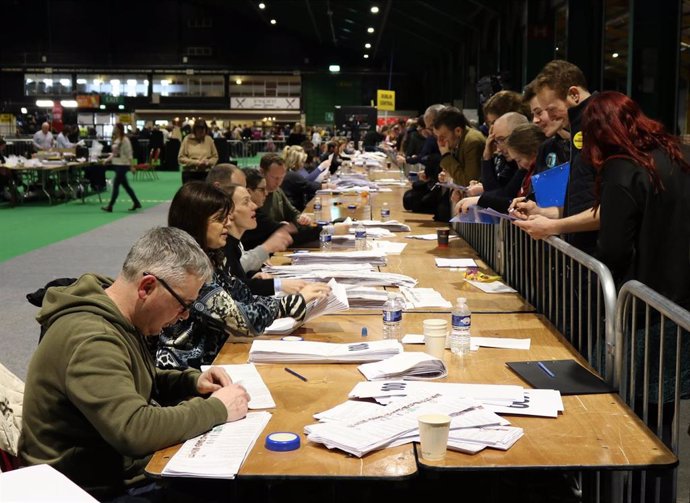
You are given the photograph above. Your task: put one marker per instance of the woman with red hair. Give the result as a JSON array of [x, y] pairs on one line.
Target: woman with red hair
[[643, 194]]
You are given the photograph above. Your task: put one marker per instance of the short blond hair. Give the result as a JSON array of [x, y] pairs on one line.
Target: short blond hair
[[294, 156]]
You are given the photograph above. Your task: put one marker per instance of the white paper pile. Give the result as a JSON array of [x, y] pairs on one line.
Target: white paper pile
[[334, 303], [396, 423], [391, 225], [247, 375], [409, 365], [366, 256], [345, 273], [364, 297], [218, 453], [492, 286], [423, 297], [455, 262], [430, 237], [268, 351]]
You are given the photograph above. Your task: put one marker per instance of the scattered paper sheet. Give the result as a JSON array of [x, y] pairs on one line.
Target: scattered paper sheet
[[493, 287], [40, 483], [455, 262], [247, 375], [500, 342], [409, 365], [413, 339]]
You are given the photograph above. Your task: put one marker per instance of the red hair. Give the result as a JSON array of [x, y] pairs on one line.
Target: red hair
[[613, 125]]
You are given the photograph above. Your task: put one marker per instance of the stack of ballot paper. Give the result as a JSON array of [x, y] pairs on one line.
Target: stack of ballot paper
[[499, 398], [366, 297], [409, 365], [268, 351], [391, 225], [345, 273], [247, 375], [334, 303], [218, 453], [416, 298], [397, 423], [455, 262], [430, 237], [374, 257]]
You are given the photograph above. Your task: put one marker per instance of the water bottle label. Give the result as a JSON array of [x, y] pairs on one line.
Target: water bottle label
[[463, 321], [325, 238], [360, 234], [392, 316], [317, 206], [385, 213]]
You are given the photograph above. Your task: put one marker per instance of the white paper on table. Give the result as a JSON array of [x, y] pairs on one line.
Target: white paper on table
[[281, 326], [406, 365], [492, 287], [455, 262], [413, 339], [388, 247], [537, 402], [218, 453], [247, 375], [430, 237], [424, 297], [347, 410], [40, 483], [504, 394], [500, 342]]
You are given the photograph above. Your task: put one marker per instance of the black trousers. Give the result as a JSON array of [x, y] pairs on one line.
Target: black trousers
[[121, 179]]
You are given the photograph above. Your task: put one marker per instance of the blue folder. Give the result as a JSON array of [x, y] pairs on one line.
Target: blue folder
[[550, 185]]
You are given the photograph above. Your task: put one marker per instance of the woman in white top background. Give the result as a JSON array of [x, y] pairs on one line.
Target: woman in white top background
[[121, 159]]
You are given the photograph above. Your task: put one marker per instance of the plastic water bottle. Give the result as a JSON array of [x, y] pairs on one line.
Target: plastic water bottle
[[360, 237], [385, 212], [326, 238], [461, 321], [392, 317], [318, 217]]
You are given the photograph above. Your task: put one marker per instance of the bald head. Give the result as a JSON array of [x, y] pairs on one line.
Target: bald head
[[45, 127], [431, 113], [226, 175], [502, 128]]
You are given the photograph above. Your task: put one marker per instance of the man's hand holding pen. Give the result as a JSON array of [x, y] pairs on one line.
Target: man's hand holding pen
[[522, 208]]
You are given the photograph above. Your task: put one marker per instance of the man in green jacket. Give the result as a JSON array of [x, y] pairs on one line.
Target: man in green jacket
[[461, 146], [95, 406]]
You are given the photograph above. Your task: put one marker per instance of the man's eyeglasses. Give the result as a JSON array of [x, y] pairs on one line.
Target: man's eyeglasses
[[499, 140], [185, 306]]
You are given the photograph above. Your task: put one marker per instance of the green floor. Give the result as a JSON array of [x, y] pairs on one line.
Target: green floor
[[35, 224]]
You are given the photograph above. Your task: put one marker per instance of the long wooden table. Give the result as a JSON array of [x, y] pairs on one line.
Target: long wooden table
[[595, 432]]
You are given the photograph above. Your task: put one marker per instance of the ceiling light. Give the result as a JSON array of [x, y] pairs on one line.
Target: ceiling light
[[614, 55], [273, 21], [44, 103], [334, 68], [374, 10], [366, 56], [81, 81], [131, 82], [65, 82], [102, 107], [238, 82], [367, 45], [121, 107], [23, 110], [370, 30], [262, 6], [69, 103]]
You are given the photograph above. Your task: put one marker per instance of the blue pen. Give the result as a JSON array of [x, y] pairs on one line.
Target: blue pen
[[546, 370], [299, 376]]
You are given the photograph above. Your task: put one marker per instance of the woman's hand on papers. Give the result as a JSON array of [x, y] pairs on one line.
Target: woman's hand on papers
[[292, 285], [316, 291]]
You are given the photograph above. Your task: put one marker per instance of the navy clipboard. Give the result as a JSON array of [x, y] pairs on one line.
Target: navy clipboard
[[566, 376]]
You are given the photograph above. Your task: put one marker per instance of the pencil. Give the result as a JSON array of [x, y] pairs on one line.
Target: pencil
[[299, 376]]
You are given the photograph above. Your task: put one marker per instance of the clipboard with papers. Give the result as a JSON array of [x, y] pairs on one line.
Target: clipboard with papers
[[550, 185]]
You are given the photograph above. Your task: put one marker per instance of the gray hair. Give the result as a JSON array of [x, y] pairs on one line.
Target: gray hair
[[168, 253], [431, 112], [513, 120]]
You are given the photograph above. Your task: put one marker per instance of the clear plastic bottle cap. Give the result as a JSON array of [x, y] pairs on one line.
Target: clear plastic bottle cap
[[461, 300]]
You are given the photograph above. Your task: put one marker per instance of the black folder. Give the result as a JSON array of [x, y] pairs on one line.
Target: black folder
[[569, 377]]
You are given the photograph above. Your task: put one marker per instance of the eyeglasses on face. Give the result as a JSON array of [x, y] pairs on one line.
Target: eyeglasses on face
[[184, 305]]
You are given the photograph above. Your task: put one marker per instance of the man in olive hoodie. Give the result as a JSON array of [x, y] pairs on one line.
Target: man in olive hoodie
[[92, 394]]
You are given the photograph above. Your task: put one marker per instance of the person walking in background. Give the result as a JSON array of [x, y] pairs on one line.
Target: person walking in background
[[121, 159]]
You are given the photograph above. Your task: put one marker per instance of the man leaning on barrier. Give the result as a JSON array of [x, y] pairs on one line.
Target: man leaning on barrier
[[92, 395]]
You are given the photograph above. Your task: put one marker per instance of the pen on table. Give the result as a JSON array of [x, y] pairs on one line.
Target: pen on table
[[544, 368], [365, 332], [299, 376]]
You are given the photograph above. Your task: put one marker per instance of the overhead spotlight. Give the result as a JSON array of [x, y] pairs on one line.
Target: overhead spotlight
[[366, 56], [102, 107], [374, 10], [121, 107], [23, 110], [44, 103], [68, 103], [81, 81], [262, 6], [273, 21], [238, 82], [334, 68], [370, 30], [614, 55], [367, 45]]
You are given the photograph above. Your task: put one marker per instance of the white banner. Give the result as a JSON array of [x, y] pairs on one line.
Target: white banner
[[264, 103]]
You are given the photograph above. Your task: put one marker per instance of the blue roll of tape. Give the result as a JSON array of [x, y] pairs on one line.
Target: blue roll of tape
[[282, 441]]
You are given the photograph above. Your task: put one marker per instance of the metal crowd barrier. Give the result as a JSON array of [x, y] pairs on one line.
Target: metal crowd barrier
[[485, 239], [652, 342]]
